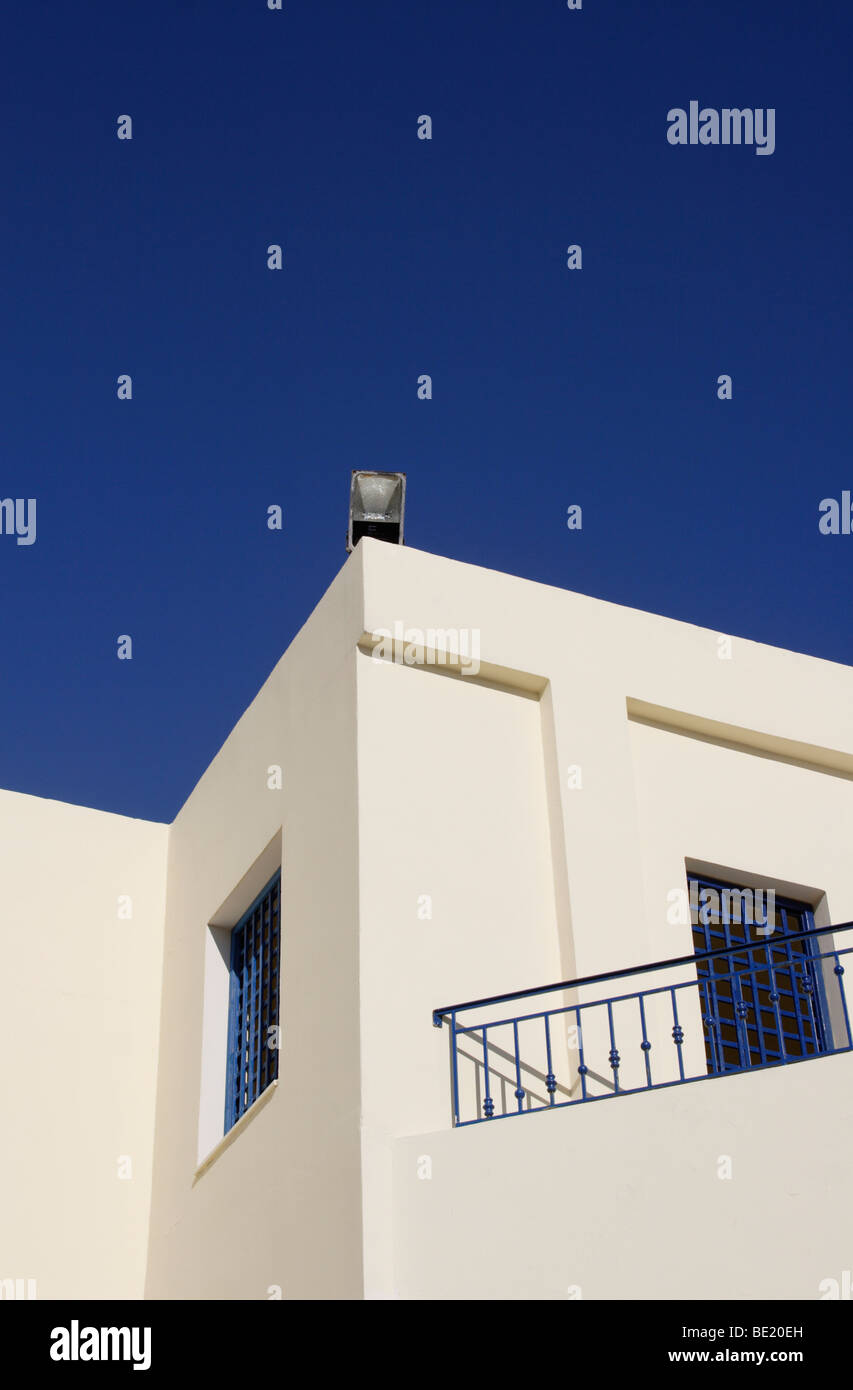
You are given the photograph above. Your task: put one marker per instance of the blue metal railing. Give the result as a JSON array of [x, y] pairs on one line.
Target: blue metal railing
[[785, 1004]]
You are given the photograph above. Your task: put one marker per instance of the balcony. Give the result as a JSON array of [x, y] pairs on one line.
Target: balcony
[[755, 1004]]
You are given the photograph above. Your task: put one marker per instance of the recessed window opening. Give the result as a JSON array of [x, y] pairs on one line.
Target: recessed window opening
[[253, 1011], [765, 1004]]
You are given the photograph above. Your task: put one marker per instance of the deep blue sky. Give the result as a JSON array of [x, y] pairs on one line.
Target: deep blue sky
[[401, 257]]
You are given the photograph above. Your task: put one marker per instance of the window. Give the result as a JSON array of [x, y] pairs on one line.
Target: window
[[763, 1005], [253, 1003]]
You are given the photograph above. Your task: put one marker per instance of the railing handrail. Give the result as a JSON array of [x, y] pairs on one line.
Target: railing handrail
[[576, 1008], [438, 1015]]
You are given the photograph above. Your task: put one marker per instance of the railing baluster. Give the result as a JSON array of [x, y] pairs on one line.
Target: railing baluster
[[488, 1103], [645, 1045], [614, 1055], [582, 1067], [455, 1056], [741, 1011], [838, 971], [756, 1009], [774, 999], [795, 998], [815, 995], [808, 990], [550, 1079], [711, 1025], [677, 1034], [519, 1089]]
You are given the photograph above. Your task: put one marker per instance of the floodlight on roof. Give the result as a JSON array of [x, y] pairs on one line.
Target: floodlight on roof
[[377, 502]]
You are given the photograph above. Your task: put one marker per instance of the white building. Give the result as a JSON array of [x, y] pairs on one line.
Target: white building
[[532, 812]]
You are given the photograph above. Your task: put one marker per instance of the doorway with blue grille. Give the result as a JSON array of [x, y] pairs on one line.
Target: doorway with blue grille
[[763, 999]]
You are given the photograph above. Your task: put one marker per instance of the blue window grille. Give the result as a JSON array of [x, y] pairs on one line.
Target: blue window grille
[[254, 1003], [751, 1019]]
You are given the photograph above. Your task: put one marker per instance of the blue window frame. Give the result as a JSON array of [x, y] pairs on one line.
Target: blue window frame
[[254, 1002], [763, 1005]]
